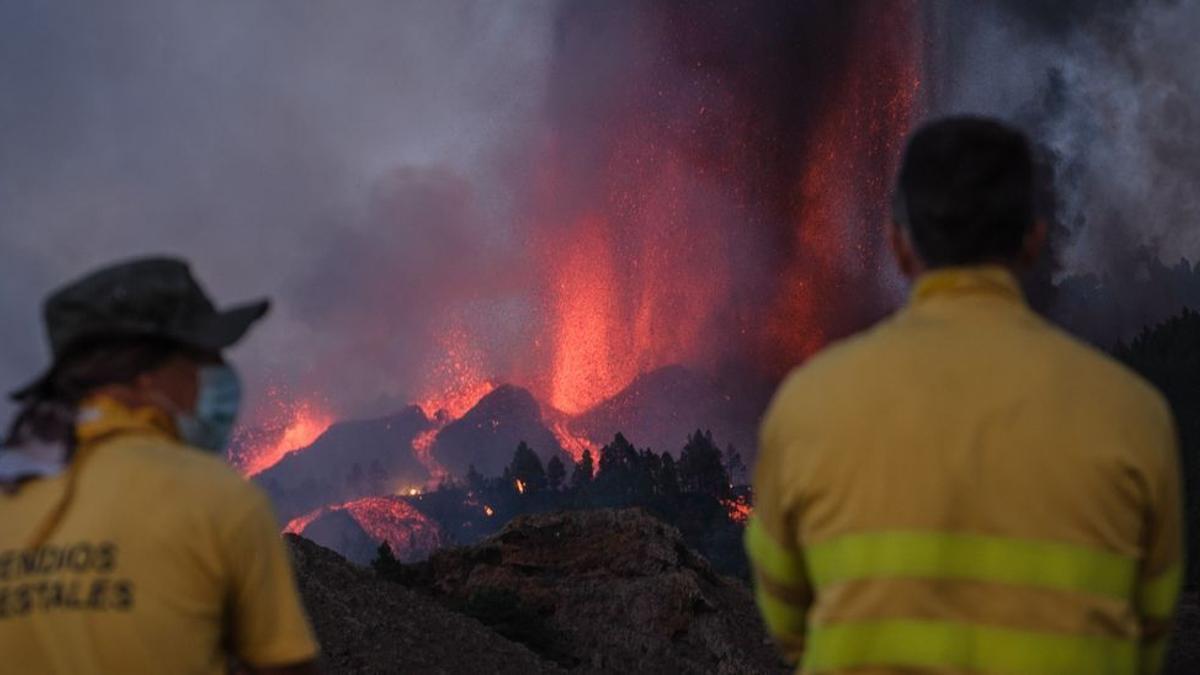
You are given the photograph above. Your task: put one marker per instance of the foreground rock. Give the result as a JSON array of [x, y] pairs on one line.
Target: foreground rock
[[618, 590], [366, 625]]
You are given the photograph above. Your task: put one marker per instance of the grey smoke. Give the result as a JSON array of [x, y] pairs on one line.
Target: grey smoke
[[1110, 89], [266, 142]]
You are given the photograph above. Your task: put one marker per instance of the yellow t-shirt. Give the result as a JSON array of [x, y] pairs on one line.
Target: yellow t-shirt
[[163, 560]]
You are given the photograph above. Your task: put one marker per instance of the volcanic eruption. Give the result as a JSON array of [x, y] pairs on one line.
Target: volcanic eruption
[[703, 211]]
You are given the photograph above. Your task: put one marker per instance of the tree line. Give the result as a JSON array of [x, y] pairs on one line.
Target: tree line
[[693, 493]]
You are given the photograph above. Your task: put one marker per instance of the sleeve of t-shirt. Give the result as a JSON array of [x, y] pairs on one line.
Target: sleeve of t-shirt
[[269, 625]]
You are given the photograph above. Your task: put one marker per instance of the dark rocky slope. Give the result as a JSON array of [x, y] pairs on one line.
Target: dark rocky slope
[[619, 591], [367, 625]]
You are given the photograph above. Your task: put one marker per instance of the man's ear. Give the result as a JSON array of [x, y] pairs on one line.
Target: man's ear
[[902, 249], [1034, 242]]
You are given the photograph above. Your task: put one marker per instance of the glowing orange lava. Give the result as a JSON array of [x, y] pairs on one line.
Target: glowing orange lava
[[407, 531], [739, 509], [296, 426], [639, 286], [573, 443], [457, 381]]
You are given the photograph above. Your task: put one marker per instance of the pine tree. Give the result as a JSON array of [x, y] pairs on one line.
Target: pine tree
[[556, 472], [581, 477], [734, 466], [385, 563], [527, 468], [475, 480], [668, 479], [701, 469]]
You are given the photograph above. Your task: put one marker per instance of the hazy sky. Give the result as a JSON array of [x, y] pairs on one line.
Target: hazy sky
[[255, 138], [340, 155]]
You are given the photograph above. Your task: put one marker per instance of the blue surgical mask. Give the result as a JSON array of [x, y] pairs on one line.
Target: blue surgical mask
[[210, 425]]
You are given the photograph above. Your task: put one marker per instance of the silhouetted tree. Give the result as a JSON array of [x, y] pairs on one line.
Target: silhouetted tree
[[619, 466], [734, 466], [700, 467], [385, 563], [581, 477], [527, 467], [556, 472], [668, 480], [475, 480]]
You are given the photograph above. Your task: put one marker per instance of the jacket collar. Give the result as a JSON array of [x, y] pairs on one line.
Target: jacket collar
[[102, 417], [991, 280]]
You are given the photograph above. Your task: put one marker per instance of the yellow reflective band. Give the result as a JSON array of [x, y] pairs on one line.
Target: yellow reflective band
[[972, 557], [936, 644], [1157, 597], [778, 564], [782, 619]]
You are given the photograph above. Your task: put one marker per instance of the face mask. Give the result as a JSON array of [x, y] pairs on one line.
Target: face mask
[[210, 425]]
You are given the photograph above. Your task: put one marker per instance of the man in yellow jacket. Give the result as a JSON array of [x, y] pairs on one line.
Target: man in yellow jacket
[[127, 545], [964, 488]]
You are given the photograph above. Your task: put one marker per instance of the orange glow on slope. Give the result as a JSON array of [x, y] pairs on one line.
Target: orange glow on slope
[[573, 443], [407, 531], [296, 525], [298, 426]]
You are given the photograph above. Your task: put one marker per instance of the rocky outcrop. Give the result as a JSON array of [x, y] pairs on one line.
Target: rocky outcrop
[[619, 589], [367, 625]]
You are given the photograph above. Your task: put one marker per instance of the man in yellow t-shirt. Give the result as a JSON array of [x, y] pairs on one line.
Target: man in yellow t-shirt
[[964, 488], [127, 545]]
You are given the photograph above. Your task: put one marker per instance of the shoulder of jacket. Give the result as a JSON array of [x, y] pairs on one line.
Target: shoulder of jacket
[[189, 470], [1108, 376]]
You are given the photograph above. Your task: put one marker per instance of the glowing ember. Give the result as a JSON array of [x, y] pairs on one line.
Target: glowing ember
[[520, 485], [739, 509], [488, 511], [852, 156], [457, 381], [294, 426]]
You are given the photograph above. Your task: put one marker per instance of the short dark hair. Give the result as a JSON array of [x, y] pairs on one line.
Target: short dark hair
[[965, 191]]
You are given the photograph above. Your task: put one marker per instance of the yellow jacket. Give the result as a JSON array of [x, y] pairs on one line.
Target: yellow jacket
[[145, 556], [966, 489]]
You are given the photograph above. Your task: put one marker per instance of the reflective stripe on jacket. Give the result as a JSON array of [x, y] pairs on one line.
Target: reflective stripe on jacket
[[966, 489]]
